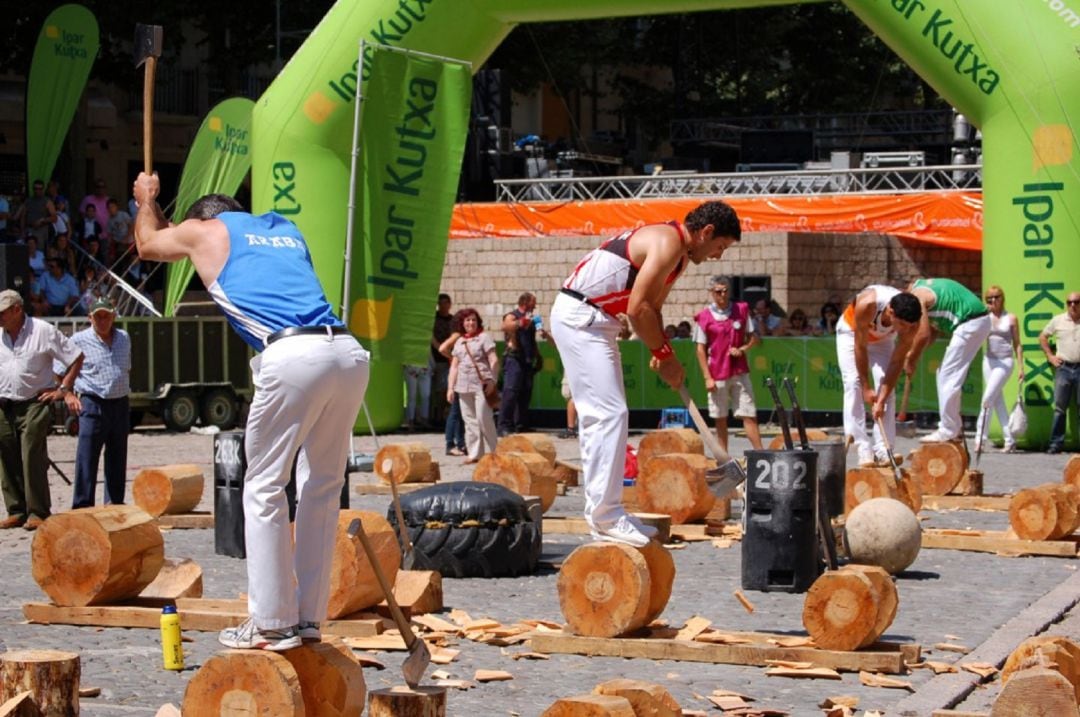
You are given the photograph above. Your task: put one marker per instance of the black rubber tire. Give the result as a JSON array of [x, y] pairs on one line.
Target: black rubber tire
[[220, 408], [471, 530], [180, 411]]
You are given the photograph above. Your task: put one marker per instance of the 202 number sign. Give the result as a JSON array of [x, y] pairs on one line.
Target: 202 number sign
[[778, 476]]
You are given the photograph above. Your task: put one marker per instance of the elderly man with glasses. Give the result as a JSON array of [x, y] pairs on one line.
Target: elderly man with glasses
[[1064, 329]]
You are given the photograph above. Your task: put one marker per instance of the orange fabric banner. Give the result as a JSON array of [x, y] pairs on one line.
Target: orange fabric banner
[[952, 219]]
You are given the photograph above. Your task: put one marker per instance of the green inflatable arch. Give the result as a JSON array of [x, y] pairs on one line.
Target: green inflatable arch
[[1011, 67]]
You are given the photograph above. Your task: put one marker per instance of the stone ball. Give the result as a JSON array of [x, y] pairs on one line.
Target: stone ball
[[883, 532]]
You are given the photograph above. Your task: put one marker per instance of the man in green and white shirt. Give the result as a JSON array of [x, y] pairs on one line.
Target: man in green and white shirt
[[949, 309]]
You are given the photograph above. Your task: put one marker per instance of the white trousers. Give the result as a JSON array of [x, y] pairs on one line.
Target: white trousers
[[880, 353], [587, 340], [961, 351], [479, 420], [308, 391], [996, 372]]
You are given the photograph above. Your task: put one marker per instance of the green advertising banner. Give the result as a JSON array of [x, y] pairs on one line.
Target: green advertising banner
[[219, 159], [64, 54]]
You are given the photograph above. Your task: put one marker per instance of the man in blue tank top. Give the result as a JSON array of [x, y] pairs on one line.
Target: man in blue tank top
[[310, 376]]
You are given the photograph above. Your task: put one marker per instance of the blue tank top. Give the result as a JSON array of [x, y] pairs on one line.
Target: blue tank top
[[268, 282]]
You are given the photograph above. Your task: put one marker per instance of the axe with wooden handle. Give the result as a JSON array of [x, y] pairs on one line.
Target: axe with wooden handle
[[148, 41]]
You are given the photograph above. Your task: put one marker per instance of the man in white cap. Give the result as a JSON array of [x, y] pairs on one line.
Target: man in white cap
[[101, 390], [28, 348]]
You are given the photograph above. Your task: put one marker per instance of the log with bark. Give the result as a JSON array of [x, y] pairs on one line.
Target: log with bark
[[862, 484], [938, 467], [331, 680], [646, 698], [523, 473], [21, 705], [50, 676], [1071, 474], [841, 610], [176, 579], [669, 440], [1055, 652], [674, 484], [567, 473], [403, 463], [245, 682], [168, 490], [92, 556], [591, 706], [408, 702], [888, 599], [539, 443], [353, 585], [1045, 512], [1036, 691]]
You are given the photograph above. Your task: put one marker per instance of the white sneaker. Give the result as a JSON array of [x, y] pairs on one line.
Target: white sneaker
[[309, 631], [937, 436], [649, 531], [621, 531], [246, 636], [866, 457]]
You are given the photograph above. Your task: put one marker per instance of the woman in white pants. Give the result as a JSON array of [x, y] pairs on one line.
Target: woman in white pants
[[473, 371], [1002, 344]]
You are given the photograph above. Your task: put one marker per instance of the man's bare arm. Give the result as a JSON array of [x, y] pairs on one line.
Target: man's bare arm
[[663, 249], [865, 308]]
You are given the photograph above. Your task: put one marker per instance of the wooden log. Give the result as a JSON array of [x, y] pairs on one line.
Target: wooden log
[[566, 474], [168, 490], [1068, 500], [21, 705], [353, 585], [1045, 512], [661, 578], [674, 484], [331, 679], [1035, 691], [238, 683], [523, 473], [660, 521], [646, 698], [402, 462], [434, 475], [605, 589], [591, 706], [971, 484], [938, 467], [97, 555], [420, 591], [669, 440], [812, 434], [176, 579], [1072, 471], [841, 610], [862, 484], [1055, 652], [408, 702], [51, 677], [888, 599], [538, 443]]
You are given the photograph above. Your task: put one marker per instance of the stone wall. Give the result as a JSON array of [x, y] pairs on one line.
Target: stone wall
[[489, 274]]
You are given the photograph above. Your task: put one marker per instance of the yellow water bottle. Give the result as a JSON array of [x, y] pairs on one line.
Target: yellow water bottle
[[172, 651]]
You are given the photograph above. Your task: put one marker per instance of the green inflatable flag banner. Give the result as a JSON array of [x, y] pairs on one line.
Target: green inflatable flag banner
[[64, 54], [217, 163]]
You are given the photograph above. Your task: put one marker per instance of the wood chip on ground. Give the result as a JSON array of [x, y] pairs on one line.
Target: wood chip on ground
[[813, 673], [871, 679], [747, 605], [492, 676]]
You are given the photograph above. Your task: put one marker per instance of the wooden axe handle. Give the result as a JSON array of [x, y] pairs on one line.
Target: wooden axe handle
[[149, 73], [903, 401]]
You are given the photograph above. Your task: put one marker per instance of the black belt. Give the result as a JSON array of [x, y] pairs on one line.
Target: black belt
[[580, 297], [305, 331], [973, 317]]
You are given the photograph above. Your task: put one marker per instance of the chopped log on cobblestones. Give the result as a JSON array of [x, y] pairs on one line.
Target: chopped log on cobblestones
[[591, 706], [353, 585], [51, 677], [176, 579], [1045, 512], [1055, 652], [888, 599], [538, 443], [408, 702], [1072, 472], [566, 473], [1035, 691], [669, 440], [646, 698], [938, 467], [841, 610], [862, 484], [331, 680], [93, 556], [237, 683], [420, 591], [523, 473], [674, 484], [812, 434], [168, 490], [609, 589], [403, 463], [971, 484]]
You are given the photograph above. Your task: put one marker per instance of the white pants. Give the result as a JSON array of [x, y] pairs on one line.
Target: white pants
[[879, 353], [996, 372], [308, 391], [587, 340], [479, 421], [961, 351]]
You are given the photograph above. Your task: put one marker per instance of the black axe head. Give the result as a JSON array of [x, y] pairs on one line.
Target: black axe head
[[148, 42]]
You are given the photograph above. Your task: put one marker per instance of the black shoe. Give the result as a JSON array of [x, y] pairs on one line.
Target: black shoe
[[568, 433], [1053, 450], [503, 433]]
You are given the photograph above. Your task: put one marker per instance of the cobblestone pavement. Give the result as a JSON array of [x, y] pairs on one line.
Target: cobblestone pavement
[[946, 596]]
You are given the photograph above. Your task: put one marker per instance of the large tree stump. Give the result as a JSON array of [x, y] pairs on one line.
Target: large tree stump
[[812, 434], [175, 580], [938, 467], [674, 484], [669, 440], [331, 681], [408, 702], [646, 698], [591, 706], [353, 585], [1045, 512], [97, 555], [862, 484], [888, 599], [51, 676], [606, 589], [841, 610], [168, 490], [1036, 692], [523, 473], [538, 443], [403, 463], [1055, 652], [240, 683], [1071, 474]]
